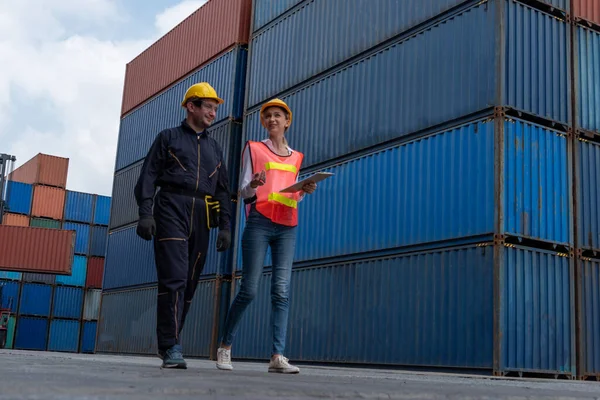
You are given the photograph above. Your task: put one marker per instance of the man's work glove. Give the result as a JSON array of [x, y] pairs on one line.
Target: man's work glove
[[223, 240], [146, 228]]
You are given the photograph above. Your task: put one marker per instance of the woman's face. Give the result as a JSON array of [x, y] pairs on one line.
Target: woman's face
[[276, 120]]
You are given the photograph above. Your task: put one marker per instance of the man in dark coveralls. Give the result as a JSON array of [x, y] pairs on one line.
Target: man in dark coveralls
[[188, 166]]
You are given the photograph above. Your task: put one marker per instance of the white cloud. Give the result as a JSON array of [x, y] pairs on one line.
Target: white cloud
[[172, 16]]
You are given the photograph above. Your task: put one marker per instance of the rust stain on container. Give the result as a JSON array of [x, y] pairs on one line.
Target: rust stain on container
[[26, 249], [15, 219], [48, 202], [588, 10], [43, 169], [213, 28]]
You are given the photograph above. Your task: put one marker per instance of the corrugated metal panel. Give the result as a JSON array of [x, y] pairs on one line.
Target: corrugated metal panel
[[91, 308], [82, 238], [47, 279], [35, 299], [10, 294], [197, 334], [68, 302], [64, 335], [15, 219], [32, 333], [130, 329], [45, 223], [590, 322], [18, 197], [88, 339], [436, 307], [36, 250], [48, 202], [440, 74], [79, 207], [536, 320], [138, 129], [10, 276], [98, 241], [588, 194], [10, 334], [587, 9], [588, 78], [78, 273], [102, 210], [43, 169], [267, 10], [95, 273]]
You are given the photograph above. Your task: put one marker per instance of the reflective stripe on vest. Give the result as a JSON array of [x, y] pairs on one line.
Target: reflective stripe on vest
[[278, 197], [281, 167]]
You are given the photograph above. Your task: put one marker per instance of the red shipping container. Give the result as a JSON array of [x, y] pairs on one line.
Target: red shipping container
[[37, 250], [95, 273], [15, 219], [43, 169], [48, 202], [213, 28], [588, 10]]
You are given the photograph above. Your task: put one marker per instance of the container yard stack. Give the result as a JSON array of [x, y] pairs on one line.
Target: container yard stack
[[209, 46]]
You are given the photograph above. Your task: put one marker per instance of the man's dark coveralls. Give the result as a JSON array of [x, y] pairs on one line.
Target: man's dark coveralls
[[183, 163]]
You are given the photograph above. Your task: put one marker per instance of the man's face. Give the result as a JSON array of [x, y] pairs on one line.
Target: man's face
[[203, 112]]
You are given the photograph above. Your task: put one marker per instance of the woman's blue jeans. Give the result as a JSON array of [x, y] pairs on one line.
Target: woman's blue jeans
[[259, 233]]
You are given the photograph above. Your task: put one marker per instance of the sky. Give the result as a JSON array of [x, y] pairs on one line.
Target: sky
[[61, 77]]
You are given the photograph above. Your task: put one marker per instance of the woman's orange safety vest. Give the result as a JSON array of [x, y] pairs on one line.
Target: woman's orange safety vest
[[281, 171]]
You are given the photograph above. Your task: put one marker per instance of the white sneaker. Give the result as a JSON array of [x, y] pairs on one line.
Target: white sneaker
[[282, 366], [224, 359]]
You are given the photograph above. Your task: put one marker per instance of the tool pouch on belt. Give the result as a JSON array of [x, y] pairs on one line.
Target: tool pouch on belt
[[213, 210]]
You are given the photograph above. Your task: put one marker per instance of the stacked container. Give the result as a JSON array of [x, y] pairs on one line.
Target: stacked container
[[155, 84]]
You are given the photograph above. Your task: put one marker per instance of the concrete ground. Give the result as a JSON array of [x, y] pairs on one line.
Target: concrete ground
[[41, 375]]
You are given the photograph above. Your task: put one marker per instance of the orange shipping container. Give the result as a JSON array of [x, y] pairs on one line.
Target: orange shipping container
[[48, 202], [213, 28], [15, 219], [37, 250], [588, 10], [43, 169]]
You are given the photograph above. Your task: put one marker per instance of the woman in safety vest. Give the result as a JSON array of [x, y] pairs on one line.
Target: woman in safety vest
[[271, 219]]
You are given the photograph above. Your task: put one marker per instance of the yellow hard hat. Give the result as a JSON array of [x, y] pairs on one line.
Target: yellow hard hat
[[276, 103], [201, 90]]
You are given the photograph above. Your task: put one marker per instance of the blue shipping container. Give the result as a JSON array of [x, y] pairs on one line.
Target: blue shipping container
[[32, 333], [10, 276], [82, 237], [102, 210], [35, 299], [68, 302], [139, 128], [588, 194], [439, 74], [18, 197], [590, 326], [98, 241], [88, 337], [10, 295], [64, 335], [265, 11], [79, 207], [439, 187], [588, 78], [78, 273]]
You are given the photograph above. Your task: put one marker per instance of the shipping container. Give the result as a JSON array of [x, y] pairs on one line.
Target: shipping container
[[88, 337], [169, 59], [138, 129], [265, 11], [79, 207], [35, 299], [10, 334], [10, 276], [82, 239], [407, 181], [45, 223], [15, 219], [91, 307], [68, 302], [48, 202], [18, 197], [588, 10], [64, 335], [10, 294], [589, 305], [587, 61], [43, 169], [438, 74], [78, 273], [98, 241], [102, 210], [588, 193], [32, 333], [95, 273], [131, 329], [47, 279]]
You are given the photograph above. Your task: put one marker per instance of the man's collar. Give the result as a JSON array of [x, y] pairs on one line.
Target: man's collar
[[188, 128]]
